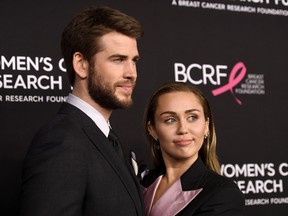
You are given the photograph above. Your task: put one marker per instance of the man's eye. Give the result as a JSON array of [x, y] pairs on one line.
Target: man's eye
[[135, 60], [118, 60]]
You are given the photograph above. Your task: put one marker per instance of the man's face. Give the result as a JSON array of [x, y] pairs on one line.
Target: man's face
[[112, 77]]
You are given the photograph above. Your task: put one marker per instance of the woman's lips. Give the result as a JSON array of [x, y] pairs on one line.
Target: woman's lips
[[183, 142]]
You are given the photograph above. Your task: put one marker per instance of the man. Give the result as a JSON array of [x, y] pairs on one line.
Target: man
[[72, 167]]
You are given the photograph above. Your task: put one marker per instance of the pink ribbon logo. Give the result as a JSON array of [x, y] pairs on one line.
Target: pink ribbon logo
[[233, 81]]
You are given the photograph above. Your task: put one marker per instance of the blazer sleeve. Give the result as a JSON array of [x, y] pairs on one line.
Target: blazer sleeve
[[54, 175], [227, 201]]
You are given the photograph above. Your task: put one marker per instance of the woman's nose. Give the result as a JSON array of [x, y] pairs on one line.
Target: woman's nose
[[182, 129]]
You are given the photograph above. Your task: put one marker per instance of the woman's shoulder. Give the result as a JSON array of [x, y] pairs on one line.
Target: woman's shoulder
[[219, 180], [219, 195], [224, 192], [215, 183], [221, 185]]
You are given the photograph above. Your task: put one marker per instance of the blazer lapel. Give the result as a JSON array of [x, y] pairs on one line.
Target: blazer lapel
[[183, 199], [194, 178], [171, 202], [104, 146]]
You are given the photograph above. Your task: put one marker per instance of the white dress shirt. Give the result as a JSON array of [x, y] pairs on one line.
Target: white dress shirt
[[99, 120]]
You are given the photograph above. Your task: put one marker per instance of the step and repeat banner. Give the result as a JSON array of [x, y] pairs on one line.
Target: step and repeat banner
[[235, 51]]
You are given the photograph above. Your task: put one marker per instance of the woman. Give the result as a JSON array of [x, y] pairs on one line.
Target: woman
[[186, 179]]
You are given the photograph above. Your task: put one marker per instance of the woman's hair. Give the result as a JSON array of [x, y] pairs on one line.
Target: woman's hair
[[83, 32], [208, 149]]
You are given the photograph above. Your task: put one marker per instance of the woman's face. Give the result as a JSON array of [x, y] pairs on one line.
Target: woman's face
[[180, 126]]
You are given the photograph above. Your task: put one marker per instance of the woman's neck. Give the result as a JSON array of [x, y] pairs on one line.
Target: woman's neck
[[175, 169]]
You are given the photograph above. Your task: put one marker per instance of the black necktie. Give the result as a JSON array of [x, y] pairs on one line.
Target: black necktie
[[115, 141]]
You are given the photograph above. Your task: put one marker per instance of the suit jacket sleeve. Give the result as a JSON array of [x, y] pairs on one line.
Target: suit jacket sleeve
[[54, 173]]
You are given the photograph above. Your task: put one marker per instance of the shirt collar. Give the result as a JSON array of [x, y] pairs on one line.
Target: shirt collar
[[99, 120]]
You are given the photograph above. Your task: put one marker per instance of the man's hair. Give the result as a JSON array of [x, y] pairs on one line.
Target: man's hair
[[84, 30]]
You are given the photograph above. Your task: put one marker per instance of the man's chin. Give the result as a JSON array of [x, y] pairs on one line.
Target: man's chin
[[125, 102]]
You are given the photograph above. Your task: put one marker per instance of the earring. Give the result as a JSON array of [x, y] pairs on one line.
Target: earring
[[157, 146], [205, 136]]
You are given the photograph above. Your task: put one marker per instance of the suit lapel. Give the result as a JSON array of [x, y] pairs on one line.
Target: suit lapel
[[185, 195], [116, 162], [104, 146], [196, 177], [171, 202], [183, 199]]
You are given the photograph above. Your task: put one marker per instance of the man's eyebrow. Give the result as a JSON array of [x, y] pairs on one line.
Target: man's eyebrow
[[118, 56], [137, 57]]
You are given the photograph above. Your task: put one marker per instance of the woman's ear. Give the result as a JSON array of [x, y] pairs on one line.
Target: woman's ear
[[207, 127], [152, 131], [80, 65]]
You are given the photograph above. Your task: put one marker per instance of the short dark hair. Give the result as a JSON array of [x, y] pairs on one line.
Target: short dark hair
[[83, 31]]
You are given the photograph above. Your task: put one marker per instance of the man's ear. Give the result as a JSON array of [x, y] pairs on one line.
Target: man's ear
[[80, 65]]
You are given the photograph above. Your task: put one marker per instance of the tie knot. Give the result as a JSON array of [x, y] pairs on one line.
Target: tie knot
[[115, 141], [112, 136]]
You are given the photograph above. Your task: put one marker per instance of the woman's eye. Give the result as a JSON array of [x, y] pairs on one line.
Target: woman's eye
[[192, 118], [170, 120]]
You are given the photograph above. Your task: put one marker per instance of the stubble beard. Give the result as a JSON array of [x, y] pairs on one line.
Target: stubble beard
[[103, 93]]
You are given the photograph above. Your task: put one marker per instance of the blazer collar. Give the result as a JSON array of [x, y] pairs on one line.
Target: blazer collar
[[178, 195], [193, 178]]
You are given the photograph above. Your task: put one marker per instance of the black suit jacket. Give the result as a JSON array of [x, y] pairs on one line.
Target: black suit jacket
[[72, 169], [203, 193]]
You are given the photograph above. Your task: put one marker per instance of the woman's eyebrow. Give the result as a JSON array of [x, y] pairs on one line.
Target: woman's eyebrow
[[173, 113]]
